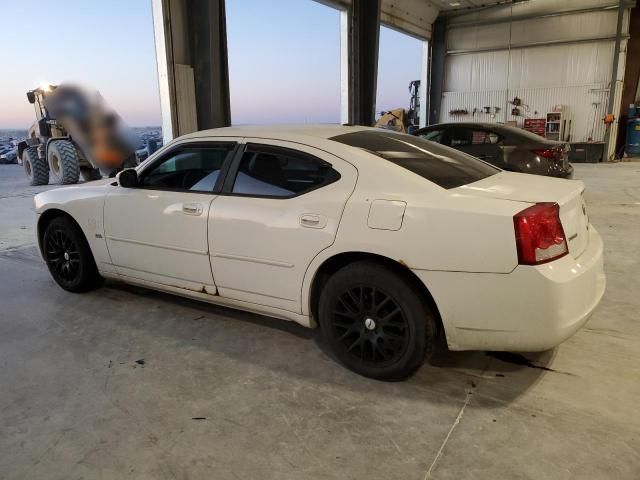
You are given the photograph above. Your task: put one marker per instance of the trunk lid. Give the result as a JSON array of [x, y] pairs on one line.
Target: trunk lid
[[530, 189]]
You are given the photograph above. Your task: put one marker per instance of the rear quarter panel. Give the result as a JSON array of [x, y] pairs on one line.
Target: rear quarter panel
[[441, 230]]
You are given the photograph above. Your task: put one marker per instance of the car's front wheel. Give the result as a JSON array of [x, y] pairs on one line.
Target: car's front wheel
[[376, 322], [69, 257]]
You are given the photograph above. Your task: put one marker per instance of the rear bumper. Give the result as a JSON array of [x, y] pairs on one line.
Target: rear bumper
[[533, 308], [561, 171]]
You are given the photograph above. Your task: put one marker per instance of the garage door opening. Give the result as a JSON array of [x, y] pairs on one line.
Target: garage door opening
[[400, 62], [286, 69]]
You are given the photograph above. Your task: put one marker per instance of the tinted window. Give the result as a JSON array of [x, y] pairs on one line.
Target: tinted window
[[484, 137], [277, 172], [188, 168], [443, 166], [458, 137], [433, 135]]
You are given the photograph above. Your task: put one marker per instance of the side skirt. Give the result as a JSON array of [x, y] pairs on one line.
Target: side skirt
[[304, 320]]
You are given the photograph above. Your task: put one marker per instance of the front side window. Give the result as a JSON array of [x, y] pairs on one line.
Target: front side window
[[188, 168], [278, 172], [441, 165]]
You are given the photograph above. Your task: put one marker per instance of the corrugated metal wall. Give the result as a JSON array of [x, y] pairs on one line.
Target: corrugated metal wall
[[575, 75]]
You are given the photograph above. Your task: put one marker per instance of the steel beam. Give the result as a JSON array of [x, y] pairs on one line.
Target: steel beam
[[207, 34], [531, 16], [631, 86], [614, 77], [164, 62], [424, 84], [193, 72], [364, 34], [535, 44], [344, 66], [436, 82]]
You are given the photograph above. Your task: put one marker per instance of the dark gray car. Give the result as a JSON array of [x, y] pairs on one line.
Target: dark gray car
[[505, 147]]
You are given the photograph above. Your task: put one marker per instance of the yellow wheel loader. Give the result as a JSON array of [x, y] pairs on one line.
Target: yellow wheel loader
[[75, 134]]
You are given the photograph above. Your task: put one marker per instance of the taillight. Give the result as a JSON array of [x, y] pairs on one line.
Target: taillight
[[551, 153], [539, 234]]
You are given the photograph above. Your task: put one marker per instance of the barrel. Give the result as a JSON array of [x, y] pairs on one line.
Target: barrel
[[633, 138]]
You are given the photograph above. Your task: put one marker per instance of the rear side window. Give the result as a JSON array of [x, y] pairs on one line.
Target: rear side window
[[443, 166], [279, 172], [433, 135]]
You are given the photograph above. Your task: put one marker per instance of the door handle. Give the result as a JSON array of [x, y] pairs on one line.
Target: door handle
[[312, 220], [192, 208]]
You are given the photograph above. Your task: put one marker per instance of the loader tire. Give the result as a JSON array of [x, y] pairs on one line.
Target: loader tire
[[90, 174], [36, 168], [63, 162]]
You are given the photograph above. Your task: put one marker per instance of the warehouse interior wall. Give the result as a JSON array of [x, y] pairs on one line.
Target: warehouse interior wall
[[544, 56]]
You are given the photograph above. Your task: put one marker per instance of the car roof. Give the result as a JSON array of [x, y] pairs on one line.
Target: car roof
[[280, 132]]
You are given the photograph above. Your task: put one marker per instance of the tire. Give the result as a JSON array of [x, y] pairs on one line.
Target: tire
[[375, 322], [90, 174], [63, 162], [68, 256], [36, 168]]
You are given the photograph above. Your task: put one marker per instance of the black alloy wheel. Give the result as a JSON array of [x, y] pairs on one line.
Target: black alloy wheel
[[63, 256], [69, 257], [370, 324], [376, 322]]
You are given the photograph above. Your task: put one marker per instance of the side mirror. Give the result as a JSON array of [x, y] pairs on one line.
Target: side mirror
[[128, 178], [31, 97]]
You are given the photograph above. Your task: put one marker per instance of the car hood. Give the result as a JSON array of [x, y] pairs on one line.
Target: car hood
[[94, 183]]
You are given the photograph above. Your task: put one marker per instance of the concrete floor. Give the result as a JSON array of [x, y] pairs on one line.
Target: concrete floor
[[128, 383]]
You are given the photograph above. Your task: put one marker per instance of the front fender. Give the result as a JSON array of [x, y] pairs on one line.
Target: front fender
[[84, 204]]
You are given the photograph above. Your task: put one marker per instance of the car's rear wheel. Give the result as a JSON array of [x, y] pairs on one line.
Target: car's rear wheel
[[69, 257], [376, 322]]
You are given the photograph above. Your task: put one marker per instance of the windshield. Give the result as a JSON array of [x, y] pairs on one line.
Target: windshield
[[441, 165]]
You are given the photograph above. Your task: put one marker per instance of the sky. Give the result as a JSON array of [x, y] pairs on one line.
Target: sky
[[283, 59]]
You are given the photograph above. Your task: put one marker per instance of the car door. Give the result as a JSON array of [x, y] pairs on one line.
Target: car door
[[157, 231], [281, 206]]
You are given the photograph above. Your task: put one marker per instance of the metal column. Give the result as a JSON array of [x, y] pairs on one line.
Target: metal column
[[193, 71], [614, 82], [438, 54], [364, 33], [208, 44]]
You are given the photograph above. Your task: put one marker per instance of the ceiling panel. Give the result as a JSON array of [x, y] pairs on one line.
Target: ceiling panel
[[453, 5]]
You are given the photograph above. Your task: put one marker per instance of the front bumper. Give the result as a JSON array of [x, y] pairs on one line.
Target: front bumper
[[533, 308]]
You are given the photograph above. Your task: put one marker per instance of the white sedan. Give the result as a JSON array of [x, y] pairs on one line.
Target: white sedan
[[385, 240]]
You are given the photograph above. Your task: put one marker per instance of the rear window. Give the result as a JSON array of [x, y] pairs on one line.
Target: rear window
[[441, 165]]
